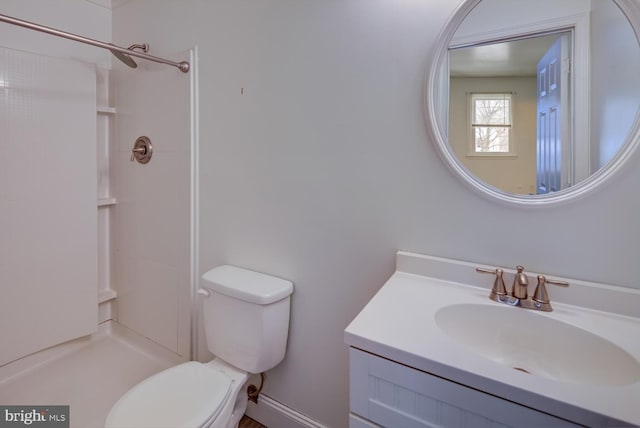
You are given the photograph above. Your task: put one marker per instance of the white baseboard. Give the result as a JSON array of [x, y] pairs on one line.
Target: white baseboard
[[274, 414]]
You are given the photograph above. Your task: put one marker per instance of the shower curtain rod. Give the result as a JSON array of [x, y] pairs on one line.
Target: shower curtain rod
[[182, 66]]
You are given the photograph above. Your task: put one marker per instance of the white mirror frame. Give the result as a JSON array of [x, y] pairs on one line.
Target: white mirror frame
[[434, 96]]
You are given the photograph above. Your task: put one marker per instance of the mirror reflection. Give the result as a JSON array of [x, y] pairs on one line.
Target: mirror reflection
[[538, 102]]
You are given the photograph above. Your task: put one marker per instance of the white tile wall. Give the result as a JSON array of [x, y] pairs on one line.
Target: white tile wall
[[152, 225], [48, 261]]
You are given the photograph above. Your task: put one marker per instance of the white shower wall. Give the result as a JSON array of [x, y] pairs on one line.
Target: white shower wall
[[85, 18], [48, 262], [51, 181], [153, 215]]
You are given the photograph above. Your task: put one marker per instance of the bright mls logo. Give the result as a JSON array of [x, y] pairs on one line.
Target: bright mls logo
[[34, 416]]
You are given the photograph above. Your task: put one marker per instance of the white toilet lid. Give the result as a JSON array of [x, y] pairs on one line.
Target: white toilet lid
[[186, 395]]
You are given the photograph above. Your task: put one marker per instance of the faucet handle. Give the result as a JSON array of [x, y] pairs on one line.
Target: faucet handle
[[498, 289], [541, 297]]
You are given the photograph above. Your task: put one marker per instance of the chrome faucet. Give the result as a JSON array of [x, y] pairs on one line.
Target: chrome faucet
[[519, 296]]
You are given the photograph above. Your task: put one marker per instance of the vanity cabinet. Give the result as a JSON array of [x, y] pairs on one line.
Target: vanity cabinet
[[384, 393], [434, 351]]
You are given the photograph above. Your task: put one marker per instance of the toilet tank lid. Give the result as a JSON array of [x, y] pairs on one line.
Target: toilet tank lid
[[247, 285]]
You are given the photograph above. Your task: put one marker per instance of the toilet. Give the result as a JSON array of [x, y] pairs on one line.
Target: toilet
[[246, 323]]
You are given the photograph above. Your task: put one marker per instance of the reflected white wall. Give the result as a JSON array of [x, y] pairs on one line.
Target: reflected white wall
[[614, 81]]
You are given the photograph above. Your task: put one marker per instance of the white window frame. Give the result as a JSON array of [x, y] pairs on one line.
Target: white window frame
[[471, 147]]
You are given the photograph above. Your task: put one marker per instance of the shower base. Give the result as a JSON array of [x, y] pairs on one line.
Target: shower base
[[88, 374]]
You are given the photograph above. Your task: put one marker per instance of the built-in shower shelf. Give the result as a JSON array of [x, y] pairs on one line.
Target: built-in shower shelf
[[106, 202], [106, 110], [106, 295]]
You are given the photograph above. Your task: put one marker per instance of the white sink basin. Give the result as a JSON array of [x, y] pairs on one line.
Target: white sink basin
[[537, 344], [583, 358]]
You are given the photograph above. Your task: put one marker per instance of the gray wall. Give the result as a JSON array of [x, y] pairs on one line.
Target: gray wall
[[323, 168]]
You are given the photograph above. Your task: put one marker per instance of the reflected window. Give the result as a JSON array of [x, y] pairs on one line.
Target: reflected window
[[491, 123]]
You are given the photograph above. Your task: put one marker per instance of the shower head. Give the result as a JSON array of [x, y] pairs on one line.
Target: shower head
[[126, 59]]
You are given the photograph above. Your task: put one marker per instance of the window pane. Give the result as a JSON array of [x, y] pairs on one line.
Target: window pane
[[492, 111], [490, 139], [491, 122]]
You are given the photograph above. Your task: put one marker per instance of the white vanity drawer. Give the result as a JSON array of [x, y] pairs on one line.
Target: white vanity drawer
[[357, 422], [396, 396]]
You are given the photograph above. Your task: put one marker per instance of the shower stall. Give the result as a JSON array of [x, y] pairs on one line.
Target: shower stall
[[89, 238]]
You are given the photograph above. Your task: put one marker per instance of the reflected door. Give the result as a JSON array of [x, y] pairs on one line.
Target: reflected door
[[553, 148]]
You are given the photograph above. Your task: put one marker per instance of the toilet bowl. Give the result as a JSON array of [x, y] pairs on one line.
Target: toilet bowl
[[191, 394], [246, 319]]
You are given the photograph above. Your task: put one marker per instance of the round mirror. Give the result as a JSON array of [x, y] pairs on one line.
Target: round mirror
[[533, 107]]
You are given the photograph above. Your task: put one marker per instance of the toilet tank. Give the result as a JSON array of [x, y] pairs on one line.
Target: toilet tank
[[246, 317]]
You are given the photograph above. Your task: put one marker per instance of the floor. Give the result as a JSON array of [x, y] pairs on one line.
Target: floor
[[89, 375], [247, 422]]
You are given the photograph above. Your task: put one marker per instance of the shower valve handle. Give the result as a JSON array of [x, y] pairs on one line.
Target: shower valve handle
[[135, 150], [142, 150]]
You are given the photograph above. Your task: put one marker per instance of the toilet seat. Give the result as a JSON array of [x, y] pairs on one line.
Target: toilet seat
[[187, 395]]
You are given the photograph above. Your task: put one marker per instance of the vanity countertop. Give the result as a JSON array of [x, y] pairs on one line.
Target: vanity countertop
[[399, 324]]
